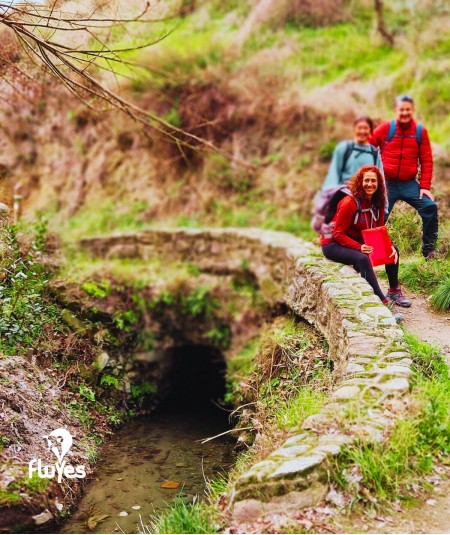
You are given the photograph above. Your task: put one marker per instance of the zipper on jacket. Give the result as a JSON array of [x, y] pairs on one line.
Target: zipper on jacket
[[401, 155]]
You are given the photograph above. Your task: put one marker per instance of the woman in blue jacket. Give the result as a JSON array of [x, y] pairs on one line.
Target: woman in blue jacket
[[350, 155]]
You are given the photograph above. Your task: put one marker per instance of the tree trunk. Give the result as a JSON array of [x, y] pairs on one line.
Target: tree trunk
[[381, 25]]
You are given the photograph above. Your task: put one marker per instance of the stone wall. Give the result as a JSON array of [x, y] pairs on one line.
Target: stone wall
[[370, 358]]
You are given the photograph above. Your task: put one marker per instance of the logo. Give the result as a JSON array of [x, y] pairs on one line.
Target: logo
[[59, 443]]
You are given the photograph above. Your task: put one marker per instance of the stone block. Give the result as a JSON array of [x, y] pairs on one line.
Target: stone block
[[296, 440], [289, 452], [347, 392], [395, 386], [297, 466]]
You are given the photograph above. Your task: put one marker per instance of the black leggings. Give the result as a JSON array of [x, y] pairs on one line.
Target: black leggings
[[361, 263]]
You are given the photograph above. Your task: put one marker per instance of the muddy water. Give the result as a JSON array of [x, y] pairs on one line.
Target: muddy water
[[142, 456]]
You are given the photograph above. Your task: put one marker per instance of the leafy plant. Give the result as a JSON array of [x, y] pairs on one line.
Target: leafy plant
[[221, 336], [139, 392], [326, 150], [97, 290], [109, 380], [125, 320], [25, 311], [86, 392], [199, 303]]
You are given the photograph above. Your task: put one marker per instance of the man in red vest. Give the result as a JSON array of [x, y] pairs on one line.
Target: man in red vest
[[408, 168]]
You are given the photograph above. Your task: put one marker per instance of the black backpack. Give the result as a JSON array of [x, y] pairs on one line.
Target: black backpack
[[351, 147]]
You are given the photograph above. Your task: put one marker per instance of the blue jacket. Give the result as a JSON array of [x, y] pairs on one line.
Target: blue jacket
[[359, 157]]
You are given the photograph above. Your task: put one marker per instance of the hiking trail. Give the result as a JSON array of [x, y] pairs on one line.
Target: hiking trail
[[433, 516]]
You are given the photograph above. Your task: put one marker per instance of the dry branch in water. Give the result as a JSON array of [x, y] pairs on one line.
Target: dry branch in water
[[44, 32]]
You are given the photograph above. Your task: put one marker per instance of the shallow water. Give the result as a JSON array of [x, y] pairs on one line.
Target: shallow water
[[144, 454]]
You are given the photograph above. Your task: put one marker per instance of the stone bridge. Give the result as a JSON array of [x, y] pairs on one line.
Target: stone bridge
[[371, 360]]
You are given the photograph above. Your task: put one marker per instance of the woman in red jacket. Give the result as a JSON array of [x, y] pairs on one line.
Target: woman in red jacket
[[363, 210]]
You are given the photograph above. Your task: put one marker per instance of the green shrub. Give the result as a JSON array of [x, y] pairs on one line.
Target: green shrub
[[326, 150], [405, 229], [86, 392], [25, 310], [109, 380], [220, 336]]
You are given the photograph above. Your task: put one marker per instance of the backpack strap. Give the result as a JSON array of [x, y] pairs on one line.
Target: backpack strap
[[374, 152], [358, 209], [391, 132], [419, 134], [374, 215], [347, 153]]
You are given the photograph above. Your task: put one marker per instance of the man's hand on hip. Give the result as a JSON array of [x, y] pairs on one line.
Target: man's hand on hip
[[427, 193]]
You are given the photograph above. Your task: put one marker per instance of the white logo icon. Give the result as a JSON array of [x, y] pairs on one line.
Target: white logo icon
[[59, 443], [63, 439]]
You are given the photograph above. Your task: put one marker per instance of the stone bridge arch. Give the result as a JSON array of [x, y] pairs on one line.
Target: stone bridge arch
[[370, 357]]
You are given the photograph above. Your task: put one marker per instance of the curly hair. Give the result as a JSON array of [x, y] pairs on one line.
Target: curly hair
[[355, 186]]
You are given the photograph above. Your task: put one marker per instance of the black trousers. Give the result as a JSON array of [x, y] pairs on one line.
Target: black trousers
[[361, 263]]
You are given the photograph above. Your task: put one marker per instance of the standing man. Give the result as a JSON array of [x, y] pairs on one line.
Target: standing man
[[406, 155]]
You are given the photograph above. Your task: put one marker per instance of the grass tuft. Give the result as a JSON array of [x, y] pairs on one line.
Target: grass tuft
[[182, 518], [441, 297]]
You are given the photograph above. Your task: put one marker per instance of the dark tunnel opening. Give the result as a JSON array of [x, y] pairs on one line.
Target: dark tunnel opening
[[197, 376]]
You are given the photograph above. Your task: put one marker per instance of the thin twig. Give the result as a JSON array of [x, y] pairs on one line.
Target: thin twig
[[203, 441]]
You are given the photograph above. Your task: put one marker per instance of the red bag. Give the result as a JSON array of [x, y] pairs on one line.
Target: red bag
[[378, 238]]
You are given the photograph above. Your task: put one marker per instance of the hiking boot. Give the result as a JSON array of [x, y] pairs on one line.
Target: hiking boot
[[432, 255], [397, 297]]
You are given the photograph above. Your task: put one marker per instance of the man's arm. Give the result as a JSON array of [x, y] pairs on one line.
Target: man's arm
[[426, 164], [379, 135]]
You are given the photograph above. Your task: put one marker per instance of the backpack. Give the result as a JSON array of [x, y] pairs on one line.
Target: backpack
[[325, 206], [351, 147], [391, 133]]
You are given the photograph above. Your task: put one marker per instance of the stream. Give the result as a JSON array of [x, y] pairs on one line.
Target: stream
[[149, 451]]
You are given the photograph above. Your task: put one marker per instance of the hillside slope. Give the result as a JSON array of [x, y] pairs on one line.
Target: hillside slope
[[275, 88]]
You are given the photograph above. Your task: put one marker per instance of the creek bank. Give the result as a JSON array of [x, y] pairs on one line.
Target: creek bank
[[128, 344]]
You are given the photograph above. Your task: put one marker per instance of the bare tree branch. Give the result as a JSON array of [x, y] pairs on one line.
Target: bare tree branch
[[39, 30]]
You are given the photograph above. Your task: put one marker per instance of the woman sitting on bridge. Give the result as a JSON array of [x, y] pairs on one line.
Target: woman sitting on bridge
[[363, 209]]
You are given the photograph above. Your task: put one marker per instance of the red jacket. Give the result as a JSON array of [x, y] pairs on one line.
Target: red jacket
[[348, 233], [401, 154]]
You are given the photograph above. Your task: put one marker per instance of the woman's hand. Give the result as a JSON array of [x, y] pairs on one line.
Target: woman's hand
[[366, 249], [394, 254]]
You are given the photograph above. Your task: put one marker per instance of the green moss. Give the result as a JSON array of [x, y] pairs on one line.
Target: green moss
[[8, 499]]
